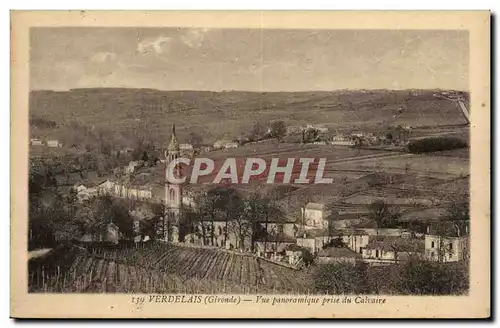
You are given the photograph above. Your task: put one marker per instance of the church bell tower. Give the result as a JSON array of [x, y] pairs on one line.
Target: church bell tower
[[173, 193]]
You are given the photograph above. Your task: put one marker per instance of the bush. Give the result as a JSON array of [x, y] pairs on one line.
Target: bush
[[433, 278], [435, 144], [415, 277], [341, 278]]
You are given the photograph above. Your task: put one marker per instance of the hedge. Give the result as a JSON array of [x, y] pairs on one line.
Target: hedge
[[435, 144]]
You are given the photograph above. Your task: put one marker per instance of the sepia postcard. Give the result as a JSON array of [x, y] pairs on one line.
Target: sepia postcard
[[250, 164]]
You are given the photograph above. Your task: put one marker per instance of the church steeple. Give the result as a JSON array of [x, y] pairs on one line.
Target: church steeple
[[174, 144]]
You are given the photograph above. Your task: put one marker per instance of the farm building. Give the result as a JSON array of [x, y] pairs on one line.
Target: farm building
[[337, 255], [389, 249]]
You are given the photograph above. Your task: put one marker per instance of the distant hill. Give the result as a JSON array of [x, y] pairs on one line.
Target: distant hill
[[228, 114]]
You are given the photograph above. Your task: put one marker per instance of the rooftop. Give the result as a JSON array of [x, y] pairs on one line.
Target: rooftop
[[391, 243], [338, 252]]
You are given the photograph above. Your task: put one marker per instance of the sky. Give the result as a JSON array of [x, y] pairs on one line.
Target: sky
[[247, 59]]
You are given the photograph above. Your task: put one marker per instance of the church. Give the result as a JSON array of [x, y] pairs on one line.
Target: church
[[173, 193]]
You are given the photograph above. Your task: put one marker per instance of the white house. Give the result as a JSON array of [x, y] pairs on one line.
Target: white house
[[315, 239], [356, 241], [36, 142], [446, 248], [225, 144], [315, 215], [53, 143], [446, 242]]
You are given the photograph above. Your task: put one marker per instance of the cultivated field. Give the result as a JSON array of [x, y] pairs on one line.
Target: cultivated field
[[217, 115], [158, 267]]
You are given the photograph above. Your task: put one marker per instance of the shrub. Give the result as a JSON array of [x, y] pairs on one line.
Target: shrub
[[433, 278], [435, 144], [341, 278]]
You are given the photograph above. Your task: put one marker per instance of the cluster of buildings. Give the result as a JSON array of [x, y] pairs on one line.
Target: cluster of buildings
[[313, 228], [52, 143]]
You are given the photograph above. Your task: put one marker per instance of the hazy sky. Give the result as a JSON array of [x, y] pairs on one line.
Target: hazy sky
[[247, 59]]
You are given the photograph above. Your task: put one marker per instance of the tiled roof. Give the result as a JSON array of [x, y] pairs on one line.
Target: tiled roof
[[390, 243], [338, 252]]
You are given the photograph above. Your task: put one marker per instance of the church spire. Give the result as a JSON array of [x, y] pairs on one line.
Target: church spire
[[174, 144]]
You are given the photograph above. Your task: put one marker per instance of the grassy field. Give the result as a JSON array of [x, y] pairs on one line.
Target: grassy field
[[227, 114], [160, 268]]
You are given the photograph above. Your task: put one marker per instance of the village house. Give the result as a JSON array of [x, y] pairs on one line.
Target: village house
[[274, 244], [186, 149], [447, 243], [337, 255], [53, 143], [315, 215], [225, 144], [286, 226], [132, 166], [355, 240], [320, 128], [225, 234], [105, 188], [315, 239], [36, 142], [390, 249], [342, 140]]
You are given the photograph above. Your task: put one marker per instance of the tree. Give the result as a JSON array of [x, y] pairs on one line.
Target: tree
[[207, 206], [228, 202], [379, 211], [194, 139], [358, 141], [260, 209], [111, 210], [311, 135], [418, 277], [278, 130], [258, 131]]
